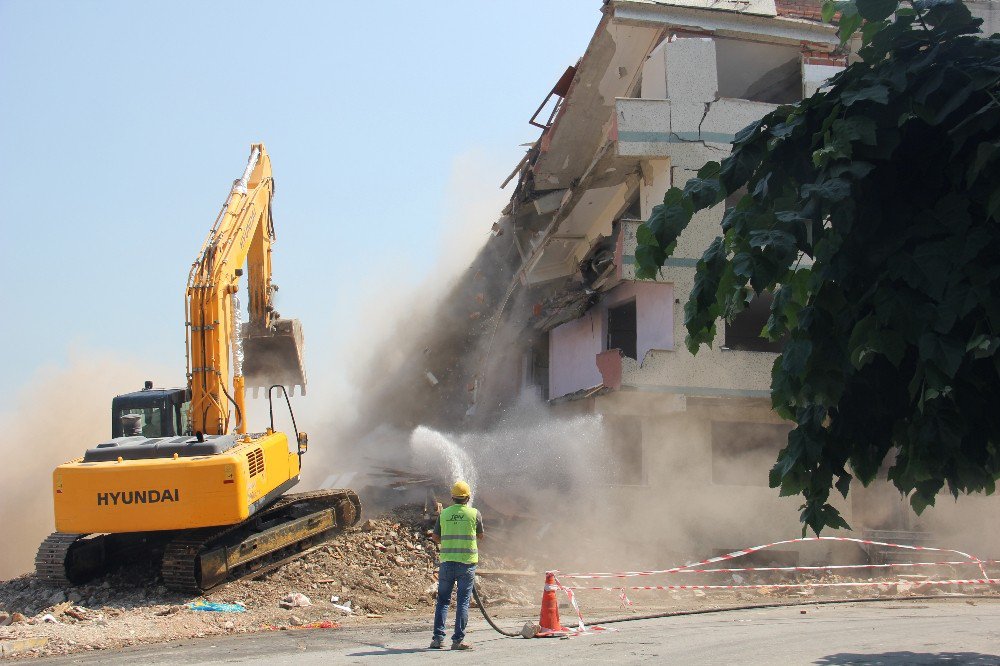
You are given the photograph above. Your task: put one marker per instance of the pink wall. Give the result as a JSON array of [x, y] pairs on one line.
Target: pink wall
[[654, 310], [573, 350], [574, 346]]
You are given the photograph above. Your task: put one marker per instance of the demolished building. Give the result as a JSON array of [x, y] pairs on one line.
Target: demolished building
[[663, 88], [552, 307]]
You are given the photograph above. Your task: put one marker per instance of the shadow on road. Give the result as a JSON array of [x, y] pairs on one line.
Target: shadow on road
[[898, 658], [388, 650]]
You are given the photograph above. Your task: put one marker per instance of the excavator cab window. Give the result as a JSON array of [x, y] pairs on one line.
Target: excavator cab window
[[150, 420], [151, 413], [182, 413]]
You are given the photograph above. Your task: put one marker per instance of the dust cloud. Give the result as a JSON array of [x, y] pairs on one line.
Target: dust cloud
[[61, 412]]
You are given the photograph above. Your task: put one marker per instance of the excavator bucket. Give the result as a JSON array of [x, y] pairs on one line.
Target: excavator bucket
[[274, 356]]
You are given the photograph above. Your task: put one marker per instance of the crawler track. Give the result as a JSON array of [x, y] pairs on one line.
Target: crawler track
[[196, 561], [200, 560], [53, 557]]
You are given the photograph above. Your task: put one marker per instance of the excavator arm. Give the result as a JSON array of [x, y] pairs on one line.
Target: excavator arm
[[264, 351]]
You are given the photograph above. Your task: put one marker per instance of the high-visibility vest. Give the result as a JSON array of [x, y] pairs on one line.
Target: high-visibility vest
[[458, 534]]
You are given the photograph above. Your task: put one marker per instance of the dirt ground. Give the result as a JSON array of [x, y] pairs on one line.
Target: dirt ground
[[383, 570]]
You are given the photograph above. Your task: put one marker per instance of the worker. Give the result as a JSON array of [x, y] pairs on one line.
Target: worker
[[458, 529], [131, 425]]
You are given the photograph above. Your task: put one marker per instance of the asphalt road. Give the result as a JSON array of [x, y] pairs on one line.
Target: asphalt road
[[892, 632]]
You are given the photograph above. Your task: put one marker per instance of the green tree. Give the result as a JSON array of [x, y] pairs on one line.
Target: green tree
[[871, 213]]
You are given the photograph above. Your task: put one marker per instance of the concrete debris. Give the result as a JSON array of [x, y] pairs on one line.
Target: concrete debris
[[78, 613], [295, 600], [377, 572], [169, 610], [17, 646]]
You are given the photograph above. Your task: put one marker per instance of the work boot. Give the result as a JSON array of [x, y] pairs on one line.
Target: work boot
[[437, 643], [460, 645]]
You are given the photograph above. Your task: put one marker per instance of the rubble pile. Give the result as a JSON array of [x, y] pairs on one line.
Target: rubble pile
[[386, 565], [382, 570]]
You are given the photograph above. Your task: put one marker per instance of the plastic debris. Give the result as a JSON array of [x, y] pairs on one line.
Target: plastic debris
[[344, 607], [50, 618], [321, 624], [216, 607], [295, 600]]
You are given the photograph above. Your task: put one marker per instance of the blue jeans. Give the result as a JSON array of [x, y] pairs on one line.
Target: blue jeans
[[449, 574]]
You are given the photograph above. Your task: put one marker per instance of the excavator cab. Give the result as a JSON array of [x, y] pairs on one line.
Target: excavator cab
[[151, 412]]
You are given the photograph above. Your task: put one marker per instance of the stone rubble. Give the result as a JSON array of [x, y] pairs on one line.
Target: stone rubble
[[383, 570]]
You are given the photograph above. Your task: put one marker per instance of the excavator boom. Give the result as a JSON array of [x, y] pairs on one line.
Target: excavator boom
[[264, 351]]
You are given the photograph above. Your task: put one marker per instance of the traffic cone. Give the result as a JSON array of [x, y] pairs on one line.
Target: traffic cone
[[548, 619]]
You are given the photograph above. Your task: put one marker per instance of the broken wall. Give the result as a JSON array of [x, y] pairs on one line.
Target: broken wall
[[574, 346]]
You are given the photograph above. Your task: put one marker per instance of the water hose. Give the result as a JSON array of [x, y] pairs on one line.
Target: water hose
[[705, 611], [482, 607]]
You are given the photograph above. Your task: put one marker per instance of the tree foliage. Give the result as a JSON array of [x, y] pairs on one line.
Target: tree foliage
[[871, 213]]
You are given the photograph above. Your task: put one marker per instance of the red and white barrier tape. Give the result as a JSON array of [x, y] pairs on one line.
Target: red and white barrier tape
[[747, 551], [758, 586], [829, 567], [969, 560]]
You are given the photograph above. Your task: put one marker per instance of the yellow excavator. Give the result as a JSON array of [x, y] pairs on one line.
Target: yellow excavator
[[175, 477]]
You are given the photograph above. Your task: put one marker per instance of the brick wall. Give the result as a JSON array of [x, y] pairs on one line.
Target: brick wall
[[823, 58], [801, 9]]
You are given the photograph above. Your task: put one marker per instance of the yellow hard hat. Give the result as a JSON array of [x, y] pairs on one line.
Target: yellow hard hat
[[461, 489]]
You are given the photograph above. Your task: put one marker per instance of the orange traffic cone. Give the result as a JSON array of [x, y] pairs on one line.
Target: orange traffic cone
[[548, 620]]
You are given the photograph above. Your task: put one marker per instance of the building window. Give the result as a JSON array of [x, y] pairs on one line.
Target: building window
[[536, 365], [624, 437], [758, 72], [743, 453], [744, 331], [622, 330]]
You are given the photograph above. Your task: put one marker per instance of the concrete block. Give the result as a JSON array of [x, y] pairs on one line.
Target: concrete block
[[685, 119], [692, 74], [727, 117], [704, 227], [549, 202], [694, 155], [815, 76], [18, 645], [643, 127]]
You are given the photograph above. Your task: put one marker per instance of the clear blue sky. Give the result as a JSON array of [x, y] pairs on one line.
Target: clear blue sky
[[123, 124]]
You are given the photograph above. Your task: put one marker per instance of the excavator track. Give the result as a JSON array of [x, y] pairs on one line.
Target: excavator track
[[52, 558], [196, 561], [71, 559]]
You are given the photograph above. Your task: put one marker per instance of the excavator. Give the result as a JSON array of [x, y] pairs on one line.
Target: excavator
[[182, 475]]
